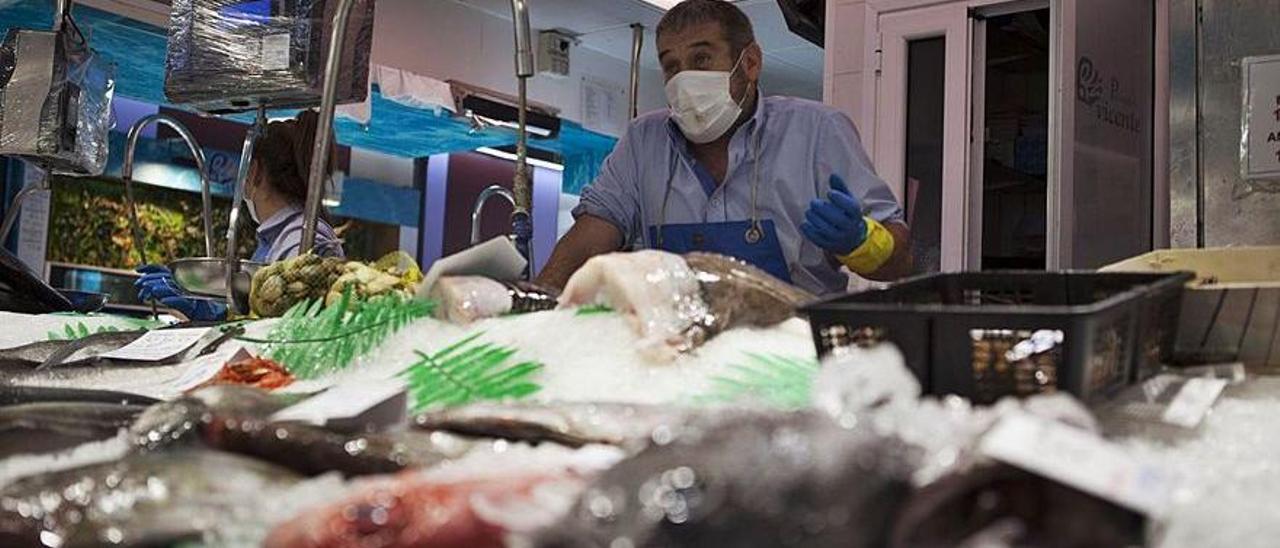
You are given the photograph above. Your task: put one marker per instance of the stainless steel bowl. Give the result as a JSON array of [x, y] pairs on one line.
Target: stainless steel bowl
[[207, 276]]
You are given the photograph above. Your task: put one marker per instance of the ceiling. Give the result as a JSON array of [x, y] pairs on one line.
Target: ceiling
[[792, 65]]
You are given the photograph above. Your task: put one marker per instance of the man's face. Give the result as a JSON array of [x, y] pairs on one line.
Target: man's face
[[704, 47]]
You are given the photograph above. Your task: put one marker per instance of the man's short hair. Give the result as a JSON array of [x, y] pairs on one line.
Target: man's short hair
[[735, 24]]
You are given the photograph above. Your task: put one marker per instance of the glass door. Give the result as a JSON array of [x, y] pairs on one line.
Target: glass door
[[920, 128]]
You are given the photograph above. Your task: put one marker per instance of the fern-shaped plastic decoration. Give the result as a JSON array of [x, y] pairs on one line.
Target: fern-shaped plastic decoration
[[769, 379], [79, 330], [312, 340], [466, 372]]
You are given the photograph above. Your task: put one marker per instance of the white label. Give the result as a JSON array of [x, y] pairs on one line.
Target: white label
[[343, 401], [204, 368], [1078, 459], [1261, 117], [158, 345], [275, 52], [1193, 402], [33, 224], [604, 107]]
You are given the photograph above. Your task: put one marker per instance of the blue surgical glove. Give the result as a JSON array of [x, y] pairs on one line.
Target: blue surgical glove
[[836, 224], [157, 284]]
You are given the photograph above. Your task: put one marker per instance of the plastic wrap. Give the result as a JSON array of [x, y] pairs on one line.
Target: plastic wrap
[[55, 101], [234, 55]]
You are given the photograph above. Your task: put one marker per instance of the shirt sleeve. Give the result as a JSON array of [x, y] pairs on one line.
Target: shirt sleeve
[[289, 244], [615, 194], [840, 152]]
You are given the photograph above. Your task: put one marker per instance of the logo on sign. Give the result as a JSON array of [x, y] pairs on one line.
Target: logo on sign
[[222, 167], [1106, 97]]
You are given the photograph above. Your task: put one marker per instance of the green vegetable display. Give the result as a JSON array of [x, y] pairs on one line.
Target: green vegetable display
[[90, 223]]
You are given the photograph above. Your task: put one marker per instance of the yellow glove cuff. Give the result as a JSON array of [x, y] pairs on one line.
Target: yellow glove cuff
[[873, 252]]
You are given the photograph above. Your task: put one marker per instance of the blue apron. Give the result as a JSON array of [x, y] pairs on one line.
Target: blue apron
[[727, 238]]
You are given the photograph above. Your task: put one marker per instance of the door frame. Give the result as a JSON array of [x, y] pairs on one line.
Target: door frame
[[1060, 214], [893, 32]]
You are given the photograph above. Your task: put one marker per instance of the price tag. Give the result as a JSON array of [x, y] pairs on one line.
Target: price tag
[[1079, 459], [1193, 402], [158, 345], [344, 401], [275, 52], [204, 368]]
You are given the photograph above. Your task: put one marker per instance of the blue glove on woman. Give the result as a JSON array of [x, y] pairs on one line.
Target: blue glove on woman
[[836, 224], [157, 284]]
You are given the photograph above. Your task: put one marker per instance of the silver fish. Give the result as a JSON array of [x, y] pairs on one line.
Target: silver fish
[[15, 395], [763, 480], [52, 426], [143, 499], [569, 424], [237, 419], [1033, 511]]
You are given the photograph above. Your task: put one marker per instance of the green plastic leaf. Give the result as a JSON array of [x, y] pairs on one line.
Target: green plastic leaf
[[593, 309], [467, 371], [766, 379], [312, 340], [78, 330]]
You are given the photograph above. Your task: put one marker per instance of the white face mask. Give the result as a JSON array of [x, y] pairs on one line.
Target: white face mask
[[701, 103]]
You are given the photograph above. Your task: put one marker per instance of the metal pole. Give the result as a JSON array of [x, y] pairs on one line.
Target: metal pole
[[15, 207], [324, 129], [521, 220], [61, 9], [637, 43], [524, 39], [233, 224], [126, 173]]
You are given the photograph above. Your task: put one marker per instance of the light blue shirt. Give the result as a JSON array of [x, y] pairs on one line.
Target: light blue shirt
[[802, 143], [280, 237]]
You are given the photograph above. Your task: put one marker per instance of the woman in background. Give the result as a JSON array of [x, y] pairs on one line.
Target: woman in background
[[275, 194]]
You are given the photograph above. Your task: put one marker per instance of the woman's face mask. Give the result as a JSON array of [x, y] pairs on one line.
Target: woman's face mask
[[248, 202], [702, 104]]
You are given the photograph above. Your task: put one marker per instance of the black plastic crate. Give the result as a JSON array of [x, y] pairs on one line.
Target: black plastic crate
[[960, 333]]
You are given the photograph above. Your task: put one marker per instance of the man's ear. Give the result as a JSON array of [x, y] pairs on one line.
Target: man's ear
[[753, 62]]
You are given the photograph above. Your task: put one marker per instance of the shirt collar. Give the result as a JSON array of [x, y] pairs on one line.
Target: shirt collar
[[271, 227]]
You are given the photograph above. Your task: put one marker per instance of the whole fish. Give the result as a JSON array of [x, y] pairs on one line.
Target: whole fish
[[15, 395], [477, 502], [85, 351], [1013, 508], [237, 419], [566, 423], [33, 355], [53, 426], [794, 479], [676, 303], [142, 499], [739, 294]]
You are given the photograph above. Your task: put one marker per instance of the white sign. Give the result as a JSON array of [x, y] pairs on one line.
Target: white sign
[[201, 369], [342, 401], [1193, 402], [604, 107], [1079, 459], [1260, 154], [159, 344], [33, 225]]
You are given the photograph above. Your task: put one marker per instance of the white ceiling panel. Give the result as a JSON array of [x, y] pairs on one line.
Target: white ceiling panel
[[604, 25]]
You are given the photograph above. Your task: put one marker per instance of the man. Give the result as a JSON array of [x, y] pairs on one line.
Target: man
[[779, 182]]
